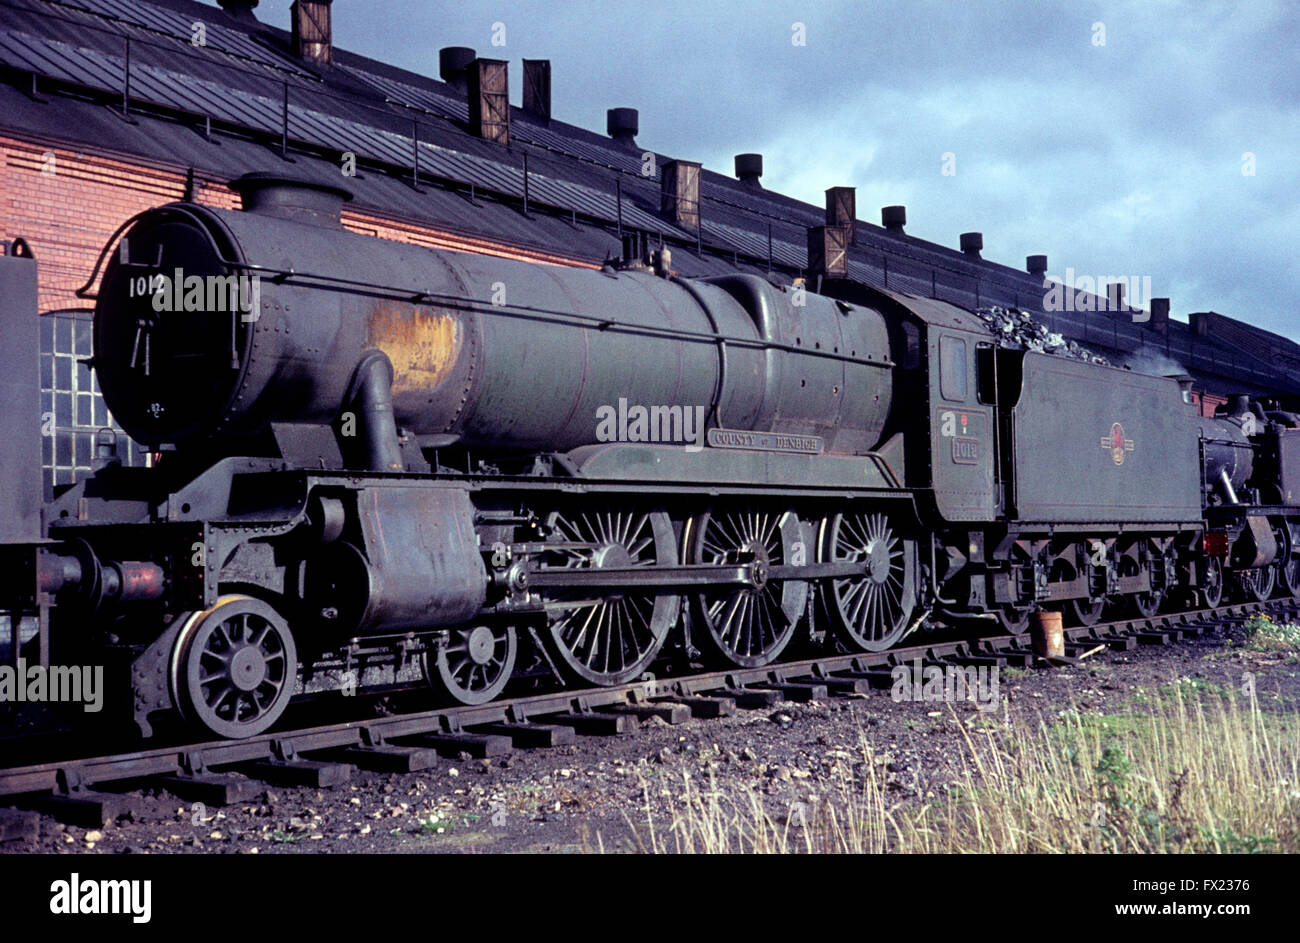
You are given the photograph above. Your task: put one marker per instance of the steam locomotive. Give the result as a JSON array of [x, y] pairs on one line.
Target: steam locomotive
[[377, 464]]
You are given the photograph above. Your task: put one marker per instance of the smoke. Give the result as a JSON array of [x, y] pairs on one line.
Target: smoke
[[1155, 363]]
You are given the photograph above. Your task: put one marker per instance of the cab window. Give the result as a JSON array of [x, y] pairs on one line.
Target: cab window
[[952, 368], [986, 374]]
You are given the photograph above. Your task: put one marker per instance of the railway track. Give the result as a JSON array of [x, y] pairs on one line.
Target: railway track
[[227, 772]]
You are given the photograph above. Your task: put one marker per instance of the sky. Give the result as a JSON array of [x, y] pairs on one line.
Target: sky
[[1148, 139]]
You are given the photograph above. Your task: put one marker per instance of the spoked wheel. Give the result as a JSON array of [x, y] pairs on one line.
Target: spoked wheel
[[1256, 584], [748, 627], [1085, 611], [1288, 565], [608, 637], [1212, 583], [473, 665], [1147, 604], [1013, 619], [869, 612], [1288, 577], [234, 667]]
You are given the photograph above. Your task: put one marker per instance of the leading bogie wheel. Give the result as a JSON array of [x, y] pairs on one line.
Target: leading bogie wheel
[[473, 664], [234, 667]]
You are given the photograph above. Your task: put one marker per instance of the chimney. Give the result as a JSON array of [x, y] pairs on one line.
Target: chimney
[[842, 210], [749, 167], [972, 243], [537, 88], [1036, 265], [488, 87], [622, 124], [239, 9], [894, 218], [311, 30], [680, 191], [1159, 320], [828, 251], [452, 63], [304, 201], [1200, 322]]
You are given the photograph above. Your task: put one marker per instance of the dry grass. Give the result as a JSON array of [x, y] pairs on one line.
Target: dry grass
[[1191, 771]]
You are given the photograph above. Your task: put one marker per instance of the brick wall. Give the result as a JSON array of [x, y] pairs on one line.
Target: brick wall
[[67, 205]]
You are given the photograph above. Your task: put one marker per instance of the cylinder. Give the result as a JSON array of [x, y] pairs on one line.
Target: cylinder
[[1048, 636]]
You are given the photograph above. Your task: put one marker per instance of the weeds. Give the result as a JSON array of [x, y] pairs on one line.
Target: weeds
[[1265, 635], [1192, 771]]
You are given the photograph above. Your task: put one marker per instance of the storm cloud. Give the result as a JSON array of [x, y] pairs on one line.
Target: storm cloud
[[1142, 139]]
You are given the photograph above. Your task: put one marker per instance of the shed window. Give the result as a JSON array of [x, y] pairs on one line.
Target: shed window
[[952, 368]]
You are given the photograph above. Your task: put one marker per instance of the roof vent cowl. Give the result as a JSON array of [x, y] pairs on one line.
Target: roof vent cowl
[[894, 218], [749, 167], [302, 201], [239, 9], [623, 125], [452, 63]]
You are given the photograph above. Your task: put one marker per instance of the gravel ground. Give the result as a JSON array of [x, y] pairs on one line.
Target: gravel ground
[[582, 796]]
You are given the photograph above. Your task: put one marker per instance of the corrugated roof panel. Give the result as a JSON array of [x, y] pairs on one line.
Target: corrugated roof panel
[[611, 157], [753, 203], [165, 87], [412, 97], [57, 60], [178, 26], [253, 111]]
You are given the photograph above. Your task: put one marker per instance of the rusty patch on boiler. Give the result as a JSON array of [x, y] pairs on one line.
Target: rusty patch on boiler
[[422, 343]]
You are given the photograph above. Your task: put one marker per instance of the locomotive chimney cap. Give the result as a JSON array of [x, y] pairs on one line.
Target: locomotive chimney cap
[[452, 63], [749, 167], [1036, 264], [306, 201], [972, 243]]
